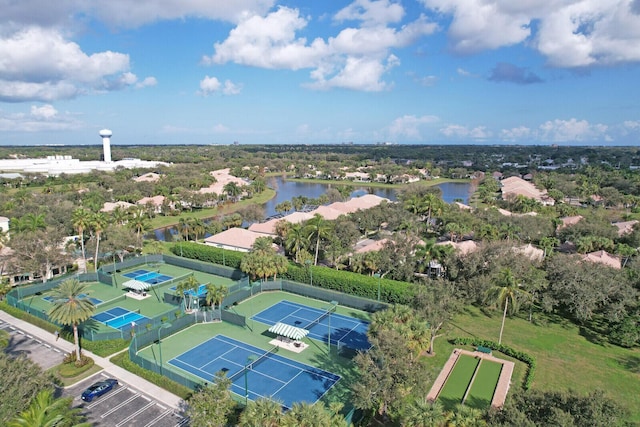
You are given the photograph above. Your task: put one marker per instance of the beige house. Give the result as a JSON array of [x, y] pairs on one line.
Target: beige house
[[603, 257], [515, 186], [111, 206], [234, 239]]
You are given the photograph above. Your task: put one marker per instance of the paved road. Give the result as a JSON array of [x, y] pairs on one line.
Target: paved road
[[125, 406]]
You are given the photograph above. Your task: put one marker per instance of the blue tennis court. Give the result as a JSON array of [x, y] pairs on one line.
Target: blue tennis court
[[271, 375], [202, 291], [119, 318], [150, 277], [345, 331], [95, 301]]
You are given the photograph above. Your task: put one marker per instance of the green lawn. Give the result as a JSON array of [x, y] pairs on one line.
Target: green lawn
[[484, 384], [458, 381], [567, 356]]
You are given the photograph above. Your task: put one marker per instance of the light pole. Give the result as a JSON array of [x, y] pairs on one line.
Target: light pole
[[250, 359], [379, 280], [163, 326], [308, 263], [334, 305]]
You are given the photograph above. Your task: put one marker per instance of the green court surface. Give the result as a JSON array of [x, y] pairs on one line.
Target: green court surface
[[484, 384], [458, 381], [178, 275], [256, 334]]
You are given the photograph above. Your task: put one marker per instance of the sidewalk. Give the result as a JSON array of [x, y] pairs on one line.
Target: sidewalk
[[121, 374]]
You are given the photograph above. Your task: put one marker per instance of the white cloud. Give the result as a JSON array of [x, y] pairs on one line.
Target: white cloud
[[220, 128], [356, 58], [147, 82], [39, 119], [211, 85], [515, 134], [127, 13], [459, 131], [45, 112], [371, 12], [569, 33], [40, 64], [409, 126], [632, 125], [572, 130]]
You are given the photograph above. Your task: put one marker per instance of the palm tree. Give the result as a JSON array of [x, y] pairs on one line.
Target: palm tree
[[183, 289], [216, 294], [422, 413], [466, 416], [261, 412], [507, 289], [294, 241], [139, 222], [232, 190], [98, 223], [71, 307], [317, 228], [304, 414], [47, 411], [33, 222], [184, 225], [81, 219]]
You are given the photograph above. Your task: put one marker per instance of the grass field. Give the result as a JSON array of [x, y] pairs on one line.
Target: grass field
[[567, 356], [484, 385], [458, 381]]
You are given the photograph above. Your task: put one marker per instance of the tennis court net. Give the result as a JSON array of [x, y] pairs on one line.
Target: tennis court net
[[249, 366], [124, 317], [321, 318]]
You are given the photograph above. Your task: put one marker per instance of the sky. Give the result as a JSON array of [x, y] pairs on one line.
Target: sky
[[563, 72]]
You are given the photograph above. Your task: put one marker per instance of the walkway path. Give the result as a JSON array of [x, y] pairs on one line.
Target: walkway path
[[133, 380]]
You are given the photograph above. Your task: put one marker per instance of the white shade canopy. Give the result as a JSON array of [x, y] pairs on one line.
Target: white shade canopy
[[137, 285], [288, 331]]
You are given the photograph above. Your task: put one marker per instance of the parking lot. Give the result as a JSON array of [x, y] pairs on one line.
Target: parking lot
[[40, 352], [123, 406]]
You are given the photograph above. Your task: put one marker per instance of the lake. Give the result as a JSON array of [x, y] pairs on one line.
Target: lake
[[287, 190]]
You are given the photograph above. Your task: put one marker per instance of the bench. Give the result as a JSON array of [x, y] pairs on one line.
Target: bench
[[483, 349]]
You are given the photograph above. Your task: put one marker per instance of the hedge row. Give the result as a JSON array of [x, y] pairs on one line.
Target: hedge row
[[207, 253], [519, 355], [391, 291]]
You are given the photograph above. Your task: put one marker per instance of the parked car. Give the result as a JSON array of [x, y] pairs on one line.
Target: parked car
[[98, 389]]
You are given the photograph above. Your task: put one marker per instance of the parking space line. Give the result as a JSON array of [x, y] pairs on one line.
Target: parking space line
[[158, 418], [96, 402], [114, 409], [139, 411]]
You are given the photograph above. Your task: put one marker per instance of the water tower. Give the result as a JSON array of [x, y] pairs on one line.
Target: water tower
[[106, 144]]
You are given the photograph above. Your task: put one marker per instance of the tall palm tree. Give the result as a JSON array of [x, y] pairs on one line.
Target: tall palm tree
[[216, 294], [140, 223], [261, 412], [81, 219], [47, 411], [71, 307], [182, 289], [294, 240], [33, 222], [304, 414], [507, 289], [98, 224], [317, 228]]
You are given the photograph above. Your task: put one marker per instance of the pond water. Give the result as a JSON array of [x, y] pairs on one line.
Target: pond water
[[287, 190]]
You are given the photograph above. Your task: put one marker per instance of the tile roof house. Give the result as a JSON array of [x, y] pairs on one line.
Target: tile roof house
[[603, 257], [110, 206], [148, 177], [568, 221], [625, 227], [531, 252], [156, 201], [465, 247], [234, 239], [223, 177], [516, 186]]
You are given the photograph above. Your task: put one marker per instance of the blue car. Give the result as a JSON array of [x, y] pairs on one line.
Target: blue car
[[98, 389]]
